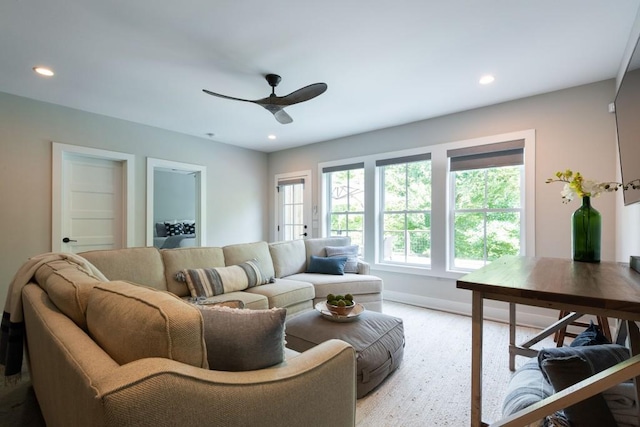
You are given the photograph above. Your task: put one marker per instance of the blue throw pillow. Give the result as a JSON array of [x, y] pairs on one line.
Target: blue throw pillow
[[591, 336], [335, 265]]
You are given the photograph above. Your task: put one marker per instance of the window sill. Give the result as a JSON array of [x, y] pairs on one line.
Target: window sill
[[418, 271]]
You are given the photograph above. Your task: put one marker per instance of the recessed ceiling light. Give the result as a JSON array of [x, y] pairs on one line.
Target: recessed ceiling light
[[43, 71], [271, 137], [485, 80]]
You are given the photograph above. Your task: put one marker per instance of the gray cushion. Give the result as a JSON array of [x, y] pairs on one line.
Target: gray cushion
[[526, 387], [566, 366], [351, 252], [243, 340]]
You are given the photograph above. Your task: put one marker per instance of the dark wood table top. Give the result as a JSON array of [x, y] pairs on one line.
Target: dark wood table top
[[608, 288]]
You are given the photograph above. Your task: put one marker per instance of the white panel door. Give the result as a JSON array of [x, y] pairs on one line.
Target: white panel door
[[92, 204]]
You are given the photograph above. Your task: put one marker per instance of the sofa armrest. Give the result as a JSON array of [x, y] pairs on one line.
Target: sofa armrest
[[159, 391], [363, 267]]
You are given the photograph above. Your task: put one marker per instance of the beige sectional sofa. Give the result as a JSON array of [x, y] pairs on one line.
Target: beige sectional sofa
[[130, 351]]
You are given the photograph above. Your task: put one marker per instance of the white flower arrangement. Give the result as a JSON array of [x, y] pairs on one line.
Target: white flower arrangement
[[576, 186]]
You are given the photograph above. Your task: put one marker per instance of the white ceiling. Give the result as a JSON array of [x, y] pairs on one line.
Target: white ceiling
[[386, 63]]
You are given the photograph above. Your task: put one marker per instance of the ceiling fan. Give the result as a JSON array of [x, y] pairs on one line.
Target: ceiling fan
[[274, 103]]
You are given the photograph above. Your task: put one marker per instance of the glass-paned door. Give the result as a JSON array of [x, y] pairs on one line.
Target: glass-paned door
[[293, 205]]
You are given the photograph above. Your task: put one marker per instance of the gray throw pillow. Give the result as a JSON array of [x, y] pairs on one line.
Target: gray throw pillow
[[351, 252], [566, 366], [242, 339]]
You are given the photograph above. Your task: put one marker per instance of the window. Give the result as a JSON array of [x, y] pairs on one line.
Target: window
[[486, 204], [346, 198], [405, 209], [436, 210]]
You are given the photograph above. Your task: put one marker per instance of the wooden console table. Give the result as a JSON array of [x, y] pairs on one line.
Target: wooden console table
[[605, 289]]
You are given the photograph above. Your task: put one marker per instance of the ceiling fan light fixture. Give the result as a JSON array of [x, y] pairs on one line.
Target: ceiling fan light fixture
[[486, 79], [275, 104], [43, 71]]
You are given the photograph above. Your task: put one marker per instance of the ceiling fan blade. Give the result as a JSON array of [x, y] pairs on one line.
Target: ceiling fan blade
[[304, 94], [278, 113], [225, 96]]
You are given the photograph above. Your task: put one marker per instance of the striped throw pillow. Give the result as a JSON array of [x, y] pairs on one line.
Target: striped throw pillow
[[208, 282], [351, 252]]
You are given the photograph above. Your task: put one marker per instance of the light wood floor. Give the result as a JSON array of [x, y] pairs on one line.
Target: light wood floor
[[432, 386]]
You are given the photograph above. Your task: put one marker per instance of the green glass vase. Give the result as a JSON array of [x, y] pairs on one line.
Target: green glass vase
[[586, 225]]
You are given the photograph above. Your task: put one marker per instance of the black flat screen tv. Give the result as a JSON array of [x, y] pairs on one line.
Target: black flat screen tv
[[627, 108]]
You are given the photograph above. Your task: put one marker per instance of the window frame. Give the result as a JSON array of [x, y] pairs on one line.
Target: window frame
[[381, 164], [327, 197], [440, 202], [485, 211]]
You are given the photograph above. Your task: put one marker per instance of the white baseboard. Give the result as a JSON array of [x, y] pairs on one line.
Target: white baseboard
[[497, 314]]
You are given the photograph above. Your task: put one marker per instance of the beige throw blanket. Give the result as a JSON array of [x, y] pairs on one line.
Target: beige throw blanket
[[12, 328]]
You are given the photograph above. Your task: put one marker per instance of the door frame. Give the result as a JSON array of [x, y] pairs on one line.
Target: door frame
[[201, 192], [59, 151], [307, 197]]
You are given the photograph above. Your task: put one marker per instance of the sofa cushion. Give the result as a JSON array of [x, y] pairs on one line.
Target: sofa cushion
[[564, 372], [68, 287], [139, 265], [351, 252], [175, 229], [179, 259], [591, 336], [237, 254], [526, 387], [288, 257], [133, 322], [316, 246], [566, 366], [285, 293], [356, 284], [47, 269], [597, 357], [243, 340], [207, 282], [323, 265]]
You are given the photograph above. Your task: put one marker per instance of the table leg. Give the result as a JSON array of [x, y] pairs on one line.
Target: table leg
[[512, 336], [476, 359]]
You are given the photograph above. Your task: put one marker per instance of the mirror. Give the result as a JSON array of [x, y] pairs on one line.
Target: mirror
[[176, 214], [627, 109]]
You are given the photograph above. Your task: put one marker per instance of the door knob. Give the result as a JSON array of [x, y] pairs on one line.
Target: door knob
[[304, 234], [67, 240]]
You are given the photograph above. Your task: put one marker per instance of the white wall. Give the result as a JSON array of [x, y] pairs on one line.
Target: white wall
[[573, 130], [235, 210]]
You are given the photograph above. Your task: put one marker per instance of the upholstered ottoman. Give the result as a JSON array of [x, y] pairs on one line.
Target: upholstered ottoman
[[377, 338]]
